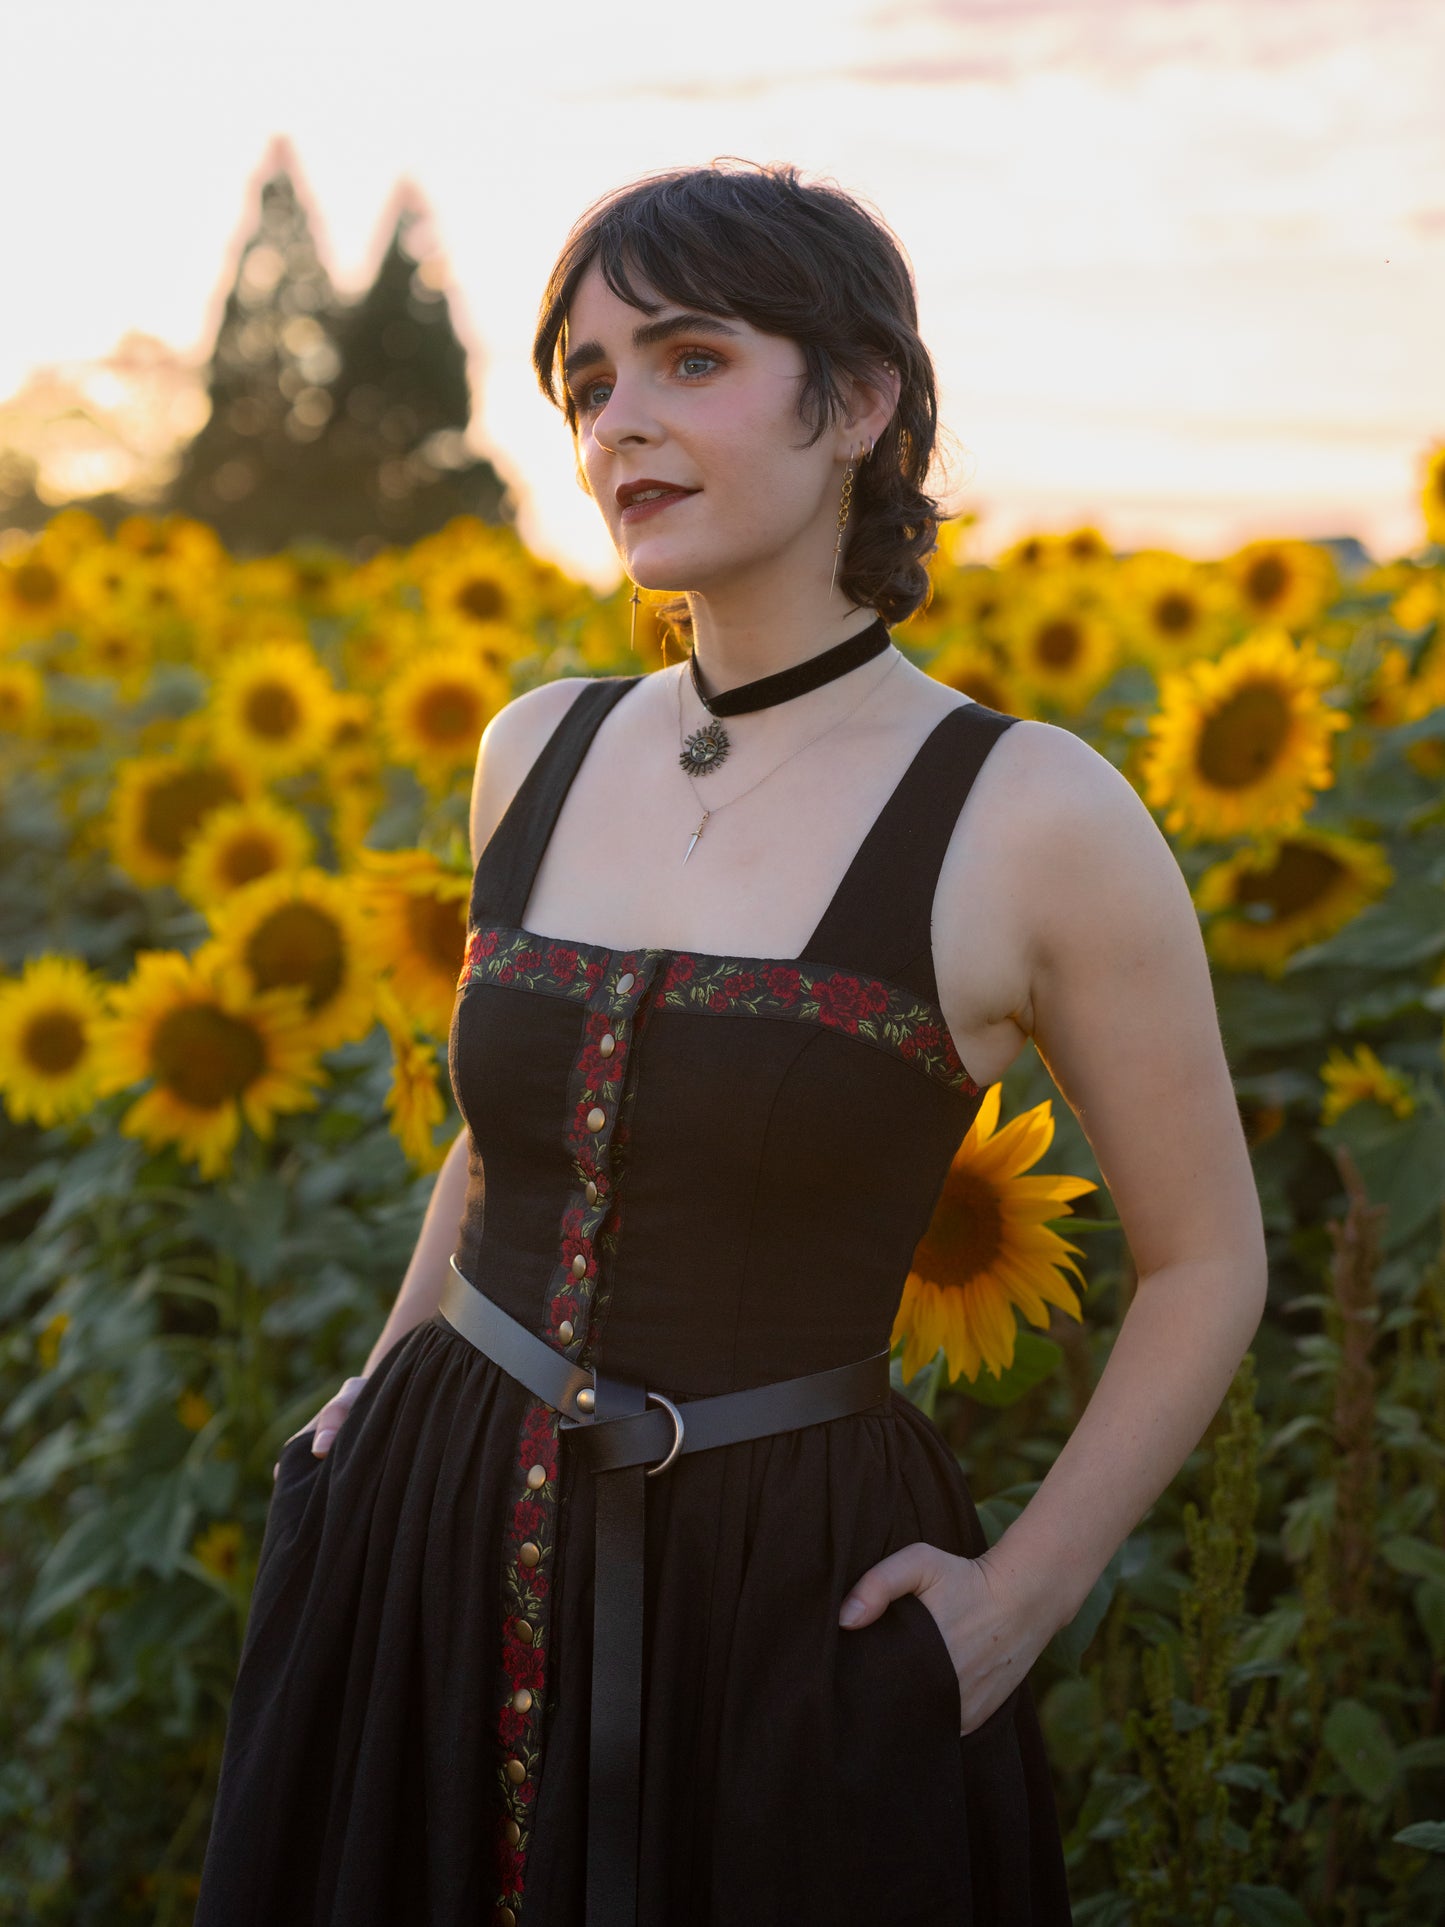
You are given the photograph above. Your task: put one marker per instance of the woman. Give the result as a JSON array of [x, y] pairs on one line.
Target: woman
[[620, 1587]]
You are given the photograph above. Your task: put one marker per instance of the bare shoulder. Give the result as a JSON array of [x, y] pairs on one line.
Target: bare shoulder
[[1087, 836], [1121, 1002], [510, 744]]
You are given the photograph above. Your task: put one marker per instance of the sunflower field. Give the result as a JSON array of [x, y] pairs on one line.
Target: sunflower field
[[234, 875]]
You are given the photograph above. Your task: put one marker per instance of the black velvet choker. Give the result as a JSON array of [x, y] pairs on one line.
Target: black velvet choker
[[784, 684]]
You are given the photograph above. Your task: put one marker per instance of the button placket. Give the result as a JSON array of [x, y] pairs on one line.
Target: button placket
[[595, 1094]]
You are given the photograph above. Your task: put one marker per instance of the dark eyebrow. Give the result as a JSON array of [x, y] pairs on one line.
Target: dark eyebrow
[[645, 335]]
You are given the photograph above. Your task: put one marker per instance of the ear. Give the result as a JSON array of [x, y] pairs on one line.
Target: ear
[[873, 400]]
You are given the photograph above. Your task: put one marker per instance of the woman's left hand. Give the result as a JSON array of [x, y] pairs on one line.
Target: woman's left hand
[[994, 1628]]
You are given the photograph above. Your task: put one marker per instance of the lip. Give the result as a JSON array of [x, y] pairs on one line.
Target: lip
[[635, 511]]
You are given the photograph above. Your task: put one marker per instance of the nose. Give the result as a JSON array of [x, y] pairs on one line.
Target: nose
[[623, 420]]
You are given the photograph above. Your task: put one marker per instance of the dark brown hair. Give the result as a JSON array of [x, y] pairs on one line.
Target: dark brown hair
[[794, 258]]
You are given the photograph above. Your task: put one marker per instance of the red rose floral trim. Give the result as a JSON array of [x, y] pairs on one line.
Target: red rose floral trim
[[869, 1008]]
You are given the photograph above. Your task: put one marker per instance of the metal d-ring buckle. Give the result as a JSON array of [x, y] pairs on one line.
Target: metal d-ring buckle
[[676, 1446]]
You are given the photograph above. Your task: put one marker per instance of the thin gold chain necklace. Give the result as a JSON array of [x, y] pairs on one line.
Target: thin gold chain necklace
[[875, 685]]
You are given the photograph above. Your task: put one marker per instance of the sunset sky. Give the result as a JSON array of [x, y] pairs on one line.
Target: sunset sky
[[1181, 264]]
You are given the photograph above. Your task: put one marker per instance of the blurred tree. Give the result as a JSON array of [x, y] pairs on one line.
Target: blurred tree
[[341, 423], [396, 442], [252, 469]]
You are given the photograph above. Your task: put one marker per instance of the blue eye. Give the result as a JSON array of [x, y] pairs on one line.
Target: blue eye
[[583, 397]]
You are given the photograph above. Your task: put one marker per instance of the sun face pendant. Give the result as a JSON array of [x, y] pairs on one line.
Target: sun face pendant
[[705, 749]]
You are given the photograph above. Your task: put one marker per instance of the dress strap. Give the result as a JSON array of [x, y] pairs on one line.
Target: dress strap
[[880, 922], [508, 865]]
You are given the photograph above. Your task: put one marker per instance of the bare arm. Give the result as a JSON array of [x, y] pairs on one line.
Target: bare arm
[[1125, 1020], [421, 1285], [510, 744]]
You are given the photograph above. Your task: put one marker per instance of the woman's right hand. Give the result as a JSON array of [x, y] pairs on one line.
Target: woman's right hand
[[328, 1421]]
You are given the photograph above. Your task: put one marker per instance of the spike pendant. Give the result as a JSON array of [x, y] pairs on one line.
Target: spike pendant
[[705, 749], [692, 840]]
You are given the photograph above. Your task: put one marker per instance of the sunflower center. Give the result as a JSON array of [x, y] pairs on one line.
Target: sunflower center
[[1243, 739], [1174, 612], [1057, 642], [482, 599], [1266, 580], [174, 807], [206, 1057], [36, 584], [271, 709], [298, 944], [248, 856], [438, 930], [1297, 879], [448, 713], [53, 1042], [964, 1236]]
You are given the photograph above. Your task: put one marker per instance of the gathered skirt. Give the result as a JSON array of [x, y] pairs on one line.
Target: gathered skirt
[[794, 1771]]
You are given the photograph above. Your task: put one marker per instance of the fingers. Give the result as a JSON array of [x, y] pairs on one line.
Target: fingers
[[909, 1569], [328, 1421], [332, 1416]]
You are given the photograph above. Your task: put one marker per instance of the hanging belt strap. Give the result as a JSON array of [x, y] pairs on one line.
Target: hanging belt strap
[[629, 1433]]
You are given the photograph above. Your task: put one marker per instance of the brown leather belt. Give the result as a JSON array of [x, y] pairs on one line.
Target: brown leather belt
[[627, 1432]]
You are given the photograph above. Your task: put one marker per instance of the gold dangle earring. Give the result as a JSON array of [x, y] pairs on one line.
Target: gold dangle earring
[[843, 508], [632, 638]]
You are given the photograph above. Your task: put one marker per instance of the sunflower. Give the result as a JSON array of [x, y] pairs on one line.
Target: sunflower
[[1282, 582], [988, 1248], [1264, 904], [109, 583], [214, 1050], [194, 1410], [119, 650], [159, 804], [34, 589], [1238, 747], [436, 709], [175, 540], [379, 642], [1060, 646], [966, 667], [479, 593], [48, 1019], [218, 1548], [1419, 600], [275, 705], [419, 929], [237, 844], [414, 1102], [1432, 494], [1172, 609], [304, 927], [356, 793], [22, 697], [1361, 1077]]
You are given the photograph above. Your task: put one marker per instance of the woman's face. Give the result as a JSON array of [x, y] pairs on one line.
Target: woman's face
[[711, 406]]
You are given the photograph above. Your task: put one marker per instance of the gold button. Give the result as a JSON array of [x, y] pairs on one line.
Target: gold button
[[505, 1916], [591, 1192], [586, 1399], [514, 1834], [596, 1118], [579, 1266], [529, 1552], [537, 1476], [625, 981], [516, 1772], [606, 1044], [524, 1631], [564, 1331], [522, 1700]]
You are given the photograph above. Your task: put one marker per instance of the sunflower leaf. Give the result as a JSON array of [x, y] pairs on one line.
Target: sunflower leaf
[[1035, 1358]]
